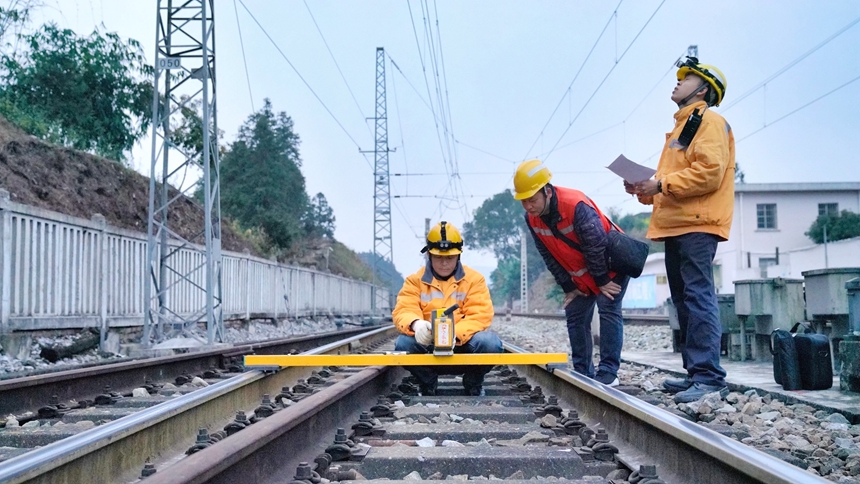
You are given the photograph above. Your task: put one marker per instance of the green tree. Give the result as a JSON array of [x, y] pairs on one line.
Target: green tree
[[496, 227], [739, 174], [261, 184], [13, 18], [846, 225], [387, 273], [636, 226], [318, 220], [91, 93], [505, 281]]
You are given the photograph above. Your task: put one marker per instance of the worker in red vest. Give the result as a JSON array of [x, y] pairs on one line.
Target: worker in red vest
[[570, 234]]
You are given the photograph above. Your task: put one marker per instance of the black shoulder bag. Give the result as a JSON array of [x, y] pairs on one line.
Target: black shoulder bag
[[624, 254]]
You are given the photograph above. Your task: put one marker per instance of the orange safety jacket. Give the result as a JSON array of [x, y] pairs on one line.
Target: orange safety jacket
[[422, 293], [698, 182], [571, 259]]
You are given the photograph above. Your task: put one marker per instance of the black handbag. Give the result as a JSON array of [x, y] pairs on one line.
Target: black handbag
[[786, 364], [624, 254], [813, 356]]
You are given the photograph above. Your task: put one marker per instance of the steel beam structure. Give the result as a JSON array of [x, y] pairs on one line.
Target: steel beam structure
[[182, 286], [382, 244]]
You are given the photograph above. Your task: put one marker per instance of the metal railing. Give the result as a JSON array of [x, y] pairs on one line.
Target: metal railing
[[58, 271]]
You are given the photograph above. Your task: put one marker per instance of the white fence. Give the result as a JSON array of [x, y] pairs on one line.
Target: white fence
[[58, 271]]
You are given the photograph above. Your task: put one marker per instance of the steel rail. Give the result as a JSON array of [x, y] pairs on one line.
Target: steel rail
[[281, 441], [121, 445], [28, 393], [632, 319], [683, 451]]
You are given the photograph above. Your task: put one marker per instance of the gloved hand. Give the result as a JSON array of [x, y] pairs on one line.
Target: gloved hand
[[423, 334]]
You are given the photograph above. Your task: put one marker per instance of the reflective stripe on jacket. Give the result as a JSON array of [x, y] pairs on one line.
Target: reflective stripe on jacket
[[422, 293], [698, 182], [572, 260]]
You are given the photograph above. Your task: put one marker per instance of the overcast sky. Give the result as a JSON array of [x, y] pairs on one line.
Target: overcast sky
[[507, 66]]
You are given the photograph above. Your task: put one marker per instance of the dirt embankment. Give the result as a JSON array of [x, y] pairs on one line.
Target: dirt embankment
[[81, 185]]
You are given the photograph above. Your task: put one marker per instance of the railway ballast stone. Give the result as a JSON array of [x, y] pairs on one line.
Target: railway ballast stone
[[796, 433]]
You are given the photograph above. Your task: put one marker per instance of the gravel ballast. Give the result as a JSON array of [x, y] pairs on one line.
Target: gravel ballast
[[820, 441]]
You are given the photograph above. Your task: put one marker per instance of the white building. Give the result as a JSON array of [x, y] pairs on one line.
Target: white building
[[768, 236]]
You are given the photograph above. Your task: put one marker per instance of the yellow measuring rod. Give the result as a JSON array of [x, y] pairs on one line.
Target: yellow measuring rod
[[403, 359]]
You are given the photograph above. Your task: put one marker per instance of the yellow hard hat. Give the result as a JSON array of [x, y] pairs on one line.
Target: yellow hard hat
[[530, 177], [713, 76], [444, 239]]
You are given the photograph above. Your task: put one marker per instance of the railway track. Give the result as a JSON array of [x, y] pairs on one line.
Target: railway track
[[631, 319], [59, 421], [517, 432], [25, 394]]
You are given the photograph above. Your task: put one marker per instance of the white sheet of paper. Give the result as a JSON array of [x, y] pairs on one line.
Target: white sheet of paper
[[631, 172]]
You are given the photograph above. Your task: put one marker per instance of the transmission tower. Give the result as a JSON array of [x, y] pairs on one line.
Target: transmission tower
[[524, 272], [382, 246], [183, 280]]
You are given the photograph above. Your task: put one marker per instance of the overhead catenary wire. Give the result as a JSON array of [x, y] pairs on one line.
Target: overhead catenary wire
[[791, 64], [311, 89], [767, 125], [575, 77], [443, 120], [484, 151], [400, 128], [453, 140], [604, 79], [396, 204], [436, 119], [622, 122], [244, 58], [433, 112], [435, 63], [331, 54], [799, 108]]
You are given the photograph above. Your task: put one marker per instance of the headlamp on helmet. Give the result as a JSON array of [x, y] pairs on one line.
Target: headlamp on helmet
[[710, 75], [444, 239]]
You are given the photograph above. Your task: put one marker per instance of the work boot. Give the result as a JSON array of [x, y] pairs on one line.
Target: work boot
[[677, 384], [607, 378], [699, 390], [476, 391], [428, 390], [473, 384]]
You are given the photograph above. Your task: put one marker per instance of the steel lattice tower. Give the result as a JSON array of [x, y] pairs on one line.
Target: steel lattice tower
[[382, 246], [183, 280], [524, 272]]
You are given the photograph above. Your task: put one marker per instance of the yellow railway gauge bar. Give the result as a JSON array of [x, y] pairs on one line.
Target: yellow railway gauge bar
[[402, 359]]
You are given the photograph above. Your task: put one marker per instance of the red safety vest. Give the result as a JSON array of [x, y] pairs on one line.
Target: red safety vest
[[571, 259]]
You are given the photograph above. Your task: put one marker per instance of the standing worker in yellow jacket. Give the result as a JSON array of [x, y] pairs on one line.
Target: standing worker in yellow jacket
[[693, 197], [442, 283]]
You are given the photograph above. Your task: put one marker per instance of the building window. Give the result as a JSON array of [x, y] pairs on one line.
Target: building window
[[766, 215], [661, 279], [764, 263], [828, 209]]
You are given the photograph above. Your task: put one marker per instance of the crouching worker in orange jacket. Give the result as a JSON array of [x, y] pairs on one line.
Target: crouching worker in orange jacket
[[443, 282]]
